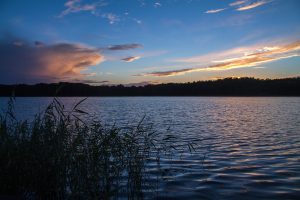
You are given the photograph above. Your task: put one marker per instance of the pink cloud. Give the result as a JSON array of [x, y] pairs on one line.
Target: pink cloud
[[253, 5], [247, 58], [42, 62]]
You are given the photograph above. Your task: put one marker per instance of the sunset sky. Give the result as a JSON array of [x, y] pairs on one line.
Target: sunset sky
[[146, 41]]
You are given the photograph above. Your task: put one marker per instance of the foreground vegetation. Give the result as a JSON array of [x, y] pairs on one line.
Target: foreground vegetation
[[61, 155]]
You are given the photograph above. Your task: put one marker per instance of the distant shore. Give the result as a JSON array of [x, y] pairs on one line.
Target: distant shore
[[223, 87]]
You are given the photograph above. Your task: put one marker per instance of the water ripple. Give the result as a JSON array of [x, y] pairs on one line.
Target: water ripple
[[249, 148]]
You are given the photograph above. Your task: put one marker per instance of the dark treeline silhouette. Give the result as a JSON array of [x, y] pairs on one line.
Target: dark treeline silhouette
[[222, 87]]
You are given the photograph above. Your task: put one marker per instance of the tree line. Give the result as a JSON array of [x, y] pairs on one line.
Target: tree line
[[223, 87]]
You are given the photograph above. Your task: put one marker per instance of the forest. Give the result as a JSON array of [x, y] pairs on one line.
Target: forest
[[223, 87]]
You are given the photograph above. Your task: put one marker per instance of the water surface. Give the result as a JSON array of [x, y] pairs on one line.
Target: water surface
[[250, 147]]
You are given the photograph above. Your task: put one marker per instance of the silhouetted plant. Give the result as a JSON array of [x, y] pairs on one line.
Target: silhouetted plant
[[62, 155]]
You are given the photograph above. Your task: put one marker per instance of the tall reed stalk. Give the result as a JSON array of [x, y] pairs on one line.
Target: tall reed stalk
[[62, 155]]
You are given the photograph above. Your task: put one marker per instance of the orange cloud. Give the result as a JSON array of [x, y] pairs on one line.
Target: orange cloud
[[65, 60], [253, 5], [40, 62], [236, 3], [248, 59]]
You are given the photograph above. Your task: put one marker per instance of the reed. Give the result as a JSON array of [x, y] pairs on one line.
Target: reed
[[60, 154]]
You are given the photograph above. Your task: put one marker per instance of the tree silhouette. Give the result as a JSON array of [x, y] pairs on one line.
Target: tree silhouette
[[223, 87]]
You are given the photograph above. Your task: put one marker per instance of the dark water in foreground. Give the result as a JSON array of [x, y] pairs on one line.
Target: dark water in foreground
[[251, 146]]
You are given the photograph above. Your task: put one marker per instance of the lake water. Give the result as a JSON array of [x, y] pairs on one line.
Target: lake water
[[250, 147]]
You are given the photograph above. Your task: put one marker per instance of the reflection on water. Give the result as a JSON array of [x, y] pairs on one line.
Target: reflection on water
[[250, 147]]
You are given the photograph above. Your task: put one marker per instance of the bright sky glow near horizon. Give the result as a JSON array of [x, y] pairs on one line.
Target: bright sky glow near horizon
[[147, 41]]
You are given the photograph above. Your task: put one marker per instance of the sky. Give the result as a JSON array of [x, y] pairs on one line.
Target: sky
[[147, 41]]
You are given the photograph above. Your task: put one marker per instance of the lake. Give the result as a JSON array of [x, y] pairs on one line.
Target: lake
[[249, 146]]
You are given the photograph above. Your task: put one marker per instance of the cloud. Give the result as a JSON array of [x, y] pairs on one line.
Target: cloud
[[215, 11], [139, 84], [45, 63], [157, 4], [74, 6], [240, 5], [112, 18], [142, 3], [207, 58], [18, 43], [131, 58], [39, 44], [247, 59], [88, 81], [236, 3], [126, 58], [253, 5], [124, 47], [138, 21], [169, 73]]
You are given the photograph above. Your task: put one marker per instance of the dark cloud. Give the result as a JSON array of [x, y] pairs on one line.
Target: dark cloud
[[124, 47], [24, 62], [39, 44], [141, 83], [131, 58], [93, 82], [168, 73]]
